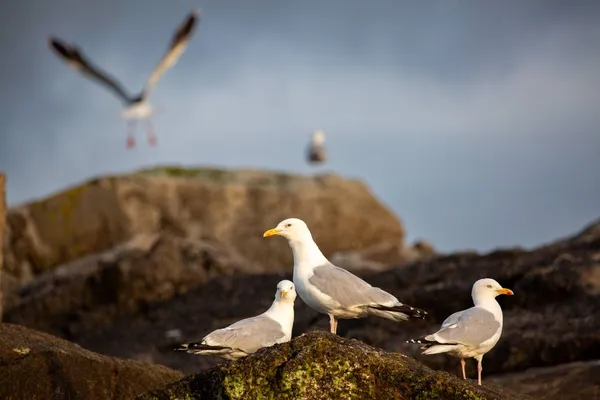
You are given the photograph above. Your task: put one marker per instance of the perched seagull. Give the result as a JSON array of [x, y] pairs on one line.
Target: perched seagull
[[332, 290], [137, 107], [248, 335], [471, 332], [315, 154]]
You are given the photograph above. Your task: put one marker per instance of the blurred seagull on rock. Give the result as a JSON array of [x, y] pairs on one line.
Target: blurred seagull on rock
[[472, 332], [315, 153], [248, 335], [332, 290], [137, 106]]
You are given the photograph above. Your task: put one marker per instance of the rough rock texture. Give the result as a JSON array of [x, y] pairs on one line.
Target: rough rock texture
[[320, 365], [232, 208], [34, 365], [2, 223], [573, 381], [91, 292], [551, 320]]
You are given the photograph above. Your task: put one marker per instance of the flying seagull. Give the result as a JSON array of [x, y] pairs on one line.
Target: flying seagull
[[315, 154], [137, 106], [332, 290], [248, 335], [472, 332]]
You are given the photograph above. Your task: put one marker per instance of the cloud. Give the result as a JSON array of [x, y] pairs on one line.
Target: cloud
[[478, 128]]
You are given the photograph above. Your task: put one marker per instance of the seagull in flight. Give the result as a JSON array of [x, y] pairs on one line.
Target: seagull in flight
[[137, 107]]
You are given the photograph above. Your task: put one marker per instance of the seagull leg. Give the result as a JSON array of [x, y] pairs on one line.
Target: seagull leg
[[130, 134], [332, 324], [479, 369], [462, 364], [151, 134]]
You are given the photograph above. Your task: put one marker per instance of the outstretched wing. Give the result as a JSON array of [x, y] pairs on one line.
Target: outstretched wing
[[176, 49], [75, 59]]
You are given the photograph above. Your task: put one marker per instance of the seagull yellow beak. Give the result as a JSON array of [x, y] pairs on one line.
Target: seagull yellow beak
[[271, 232], [505, 291], [284, 293]]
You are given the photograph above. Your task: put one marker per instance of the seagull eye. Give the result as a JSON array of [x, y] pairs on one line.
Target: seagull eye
[[288, 225], [489, 286]]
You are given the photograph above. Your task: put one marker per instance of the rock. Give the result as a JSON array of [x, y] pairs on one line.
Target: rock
[[573, 381], [230, 208], [2, 229], [34, 365], [90, 292], [320, 365], [550, 320]]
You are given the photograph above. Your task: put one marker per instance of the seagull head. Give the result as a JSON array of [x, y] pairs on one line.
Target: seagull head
[[286, 291], [293, 229], [318, 137], [488, 289]]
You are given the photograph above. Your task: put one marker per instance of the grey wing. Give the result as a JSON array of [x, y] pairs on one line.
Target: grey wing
[[176, 48], [75, 58], [452, 319], [348, 289], [472, 327], [248, 335]]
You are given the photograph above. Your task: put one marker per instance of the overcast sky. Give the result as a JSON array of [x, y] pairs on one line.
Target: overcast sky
[[477, 122]]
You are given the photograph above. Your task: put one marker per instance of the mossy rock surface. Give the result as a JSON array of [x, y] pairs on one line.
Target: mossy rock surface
[[319, 365]]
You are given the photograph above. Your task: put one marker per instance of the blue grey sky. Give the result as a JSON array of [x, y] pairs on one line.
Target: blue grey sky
[[476, 121]]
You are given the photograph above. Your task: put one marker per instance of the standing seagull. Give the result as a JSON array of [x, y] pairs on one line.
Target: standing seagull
[[137, 107], [332, 290], [248, 335], [471, 332], [315, 153]]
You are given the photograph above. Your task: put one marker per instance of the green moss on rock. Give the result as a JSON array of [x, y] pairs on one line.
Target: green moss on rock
[[319, 365]]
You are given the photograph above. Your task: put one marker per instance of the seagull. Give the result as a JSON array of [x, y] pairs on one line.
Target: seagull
[[316, 154], [137, 106], [332, 290], [248, 335], [473, 332]]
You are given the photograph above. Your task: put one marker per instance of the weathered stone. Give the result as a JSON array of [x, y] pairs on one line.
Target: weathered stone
[[91, 292], [2, 229], [549, 321], [573, 381], [232, 208], [320, 365], [34, 365]]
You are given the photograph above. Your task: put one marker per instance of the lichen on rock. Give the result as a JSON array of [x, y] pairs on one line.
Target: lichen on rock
[[319, 365]]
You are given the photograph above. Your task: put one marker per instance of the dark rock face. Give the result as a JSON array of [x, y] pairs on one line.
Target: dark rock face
[[550, 321], [34, 365], [574, 381], [92, 292], [320, 365]]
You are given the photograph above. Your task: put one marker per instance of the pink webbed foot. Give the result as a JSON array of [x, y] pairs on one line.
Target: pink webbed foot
[[130, 142]]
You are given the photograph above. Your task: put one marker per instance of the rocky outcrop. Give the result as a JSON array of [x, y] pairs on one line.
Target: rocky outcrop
[[2, 223], [231, 208], [320, 365], [573, 381], [91, 292], [34, 365], [550, 321]]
